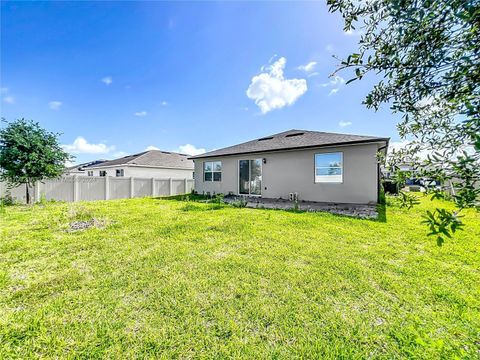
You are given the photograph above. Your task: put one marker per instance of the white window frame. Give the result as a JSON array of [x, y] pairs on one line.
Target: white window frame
[[122, 172], [102, 171], [328, 179], [89, 172], [212, 171]]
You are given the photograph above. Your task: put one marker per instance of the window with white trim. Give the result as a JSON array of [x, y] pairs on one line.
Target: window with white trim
[[90, 172], [212, 171], [119, 172], [102, 173], [329, 167]]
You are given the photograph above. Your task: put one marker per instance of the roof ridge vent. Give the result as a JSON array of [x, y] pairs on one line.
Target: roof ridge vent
[[266, 138], [295, 134]]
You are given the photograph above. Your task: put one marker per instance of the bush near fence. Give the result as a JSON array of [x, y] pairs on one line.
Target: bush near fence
[[80, 188]]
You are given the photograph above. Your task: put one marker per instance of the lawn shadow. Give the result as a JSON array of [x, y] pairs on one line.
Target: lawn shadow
[[382, 213]]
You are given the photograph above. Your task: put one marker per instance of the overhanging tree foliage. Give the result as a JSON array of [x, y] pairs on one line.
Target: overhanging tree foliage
[[428, 54], [29, 153]]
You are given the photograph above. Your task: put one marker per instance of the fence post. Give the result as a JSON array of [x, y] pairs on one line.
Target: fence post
[[107, 187], [185, 182], [171, 186], [131, 186], [153, 186], [37, 191], [75, 188]]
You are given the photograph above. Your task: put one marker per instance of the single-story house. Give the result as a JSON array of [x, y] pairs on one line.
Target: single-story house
[[148, 164], [79, 169], [296, 164]]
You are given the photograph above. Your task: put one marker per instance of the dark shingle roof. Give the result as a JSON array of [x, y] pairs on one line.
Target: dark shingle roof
[[156, 158], [84, 165], [291, 139]]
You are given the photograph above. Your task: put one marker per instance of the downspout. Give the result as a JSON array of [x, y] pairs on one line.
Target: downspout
[[378, 170]]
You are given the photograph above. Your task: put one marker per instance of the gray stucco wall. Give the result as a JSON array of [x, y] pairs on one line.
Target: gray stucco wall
[[293, 171]]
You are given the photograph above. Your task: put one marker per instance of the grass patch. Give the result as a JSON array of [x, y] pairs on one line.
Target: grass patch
[[169, 278]]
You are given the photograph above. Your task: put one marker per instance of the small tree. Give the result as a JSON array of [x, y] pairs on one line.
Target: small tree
[[428, 54], [29, 153]]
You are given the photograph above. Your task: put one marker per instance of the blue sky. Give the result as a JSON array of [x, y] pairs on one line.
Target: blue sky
[[117, 77]]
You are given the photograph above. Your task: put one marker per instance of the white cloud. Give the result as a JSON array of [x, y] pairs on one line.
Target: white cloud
[[397, 145], [119, 154], [352, 32], [107, 80], [344, 123], [190, 149], [9, 99], [400, 145], [270, 90], [164, 103], [308, 68], [425, 150], [336, 83], [329, 48], [81, 146], [54, 105], [141, 113], [333, 92]]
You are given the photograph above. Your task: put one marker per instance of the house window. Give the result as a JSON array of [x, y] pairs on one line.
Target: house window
[[103, 173], [90, 172], [119, 172], [212, 171], [329, 167]]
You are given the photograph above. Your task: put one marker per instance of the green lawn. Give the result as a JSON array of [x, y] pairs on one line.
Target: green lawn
[[171, 279]]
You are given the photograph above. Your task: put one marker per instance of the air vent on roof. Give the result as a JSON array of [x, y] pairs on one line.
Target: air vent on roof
[[296, 134], [265, 138], [166, 152]]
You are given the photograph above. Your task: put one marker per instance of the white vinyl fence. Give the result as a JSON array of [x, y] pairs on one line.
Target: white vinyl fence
[[78, 188]]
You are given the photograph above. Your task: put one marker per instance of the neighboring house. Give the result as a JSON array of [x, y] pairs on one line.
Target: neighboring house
[[80, 168], [415, 182], [317, 166], [148, 164]]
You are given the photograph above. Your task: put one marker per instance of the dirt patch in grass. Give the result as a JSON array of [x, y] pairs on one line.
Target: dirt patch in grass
[[87, 224]]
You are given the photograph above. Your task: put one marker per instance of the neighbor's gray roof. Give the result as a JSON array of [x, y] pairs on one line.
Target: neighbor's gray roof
[[152, 158], [291, 139], [87, 164]]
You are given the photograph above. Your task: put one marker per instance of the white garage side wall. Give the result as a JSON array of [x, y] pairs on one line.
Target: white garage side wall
[[294, 171], [144, 172]]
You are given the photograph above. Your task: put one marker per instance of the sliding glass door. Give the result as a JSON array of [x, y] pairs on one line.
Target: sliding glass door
[[250, 177], [244, 177]]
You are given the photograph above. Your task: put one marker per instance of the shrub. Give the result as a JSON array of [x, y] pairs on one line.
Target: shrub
[[239, 203], [7, 200]]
